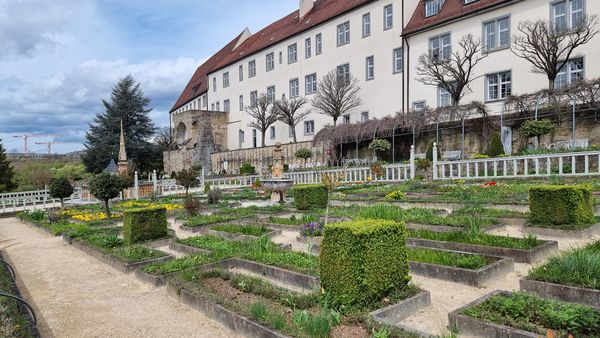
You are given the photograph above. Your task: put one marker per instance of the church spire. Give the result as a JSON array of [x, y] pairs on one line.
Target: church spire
[[122, 153]]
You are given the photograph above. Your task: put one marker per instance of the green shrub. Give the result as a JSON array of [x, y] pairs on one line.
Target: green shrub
[[144, 224], [561, 205], [312, 196], [363, 261], [496, 147], [247, 169], [533, 128]]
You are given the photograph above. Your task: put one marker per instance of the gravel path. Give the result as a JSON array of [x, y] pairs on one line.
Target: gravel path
[[76, 295]]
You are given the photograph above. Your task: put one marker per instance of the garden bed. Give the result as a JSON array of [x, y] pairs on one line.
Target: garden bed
[[564, 231], [393, 314], [186, 249], [115, 261], [520, 255], [459, 267], [504, 314], [317, 240], [245, 232], [565, 293]]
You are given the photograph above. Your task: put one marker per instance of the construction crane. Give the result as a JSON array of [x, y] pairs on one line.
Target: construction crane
[[49, 145], [26, 140]]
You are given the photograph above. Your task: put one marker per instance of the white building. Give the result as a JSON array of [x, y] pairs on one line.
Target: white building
[[378, 41]]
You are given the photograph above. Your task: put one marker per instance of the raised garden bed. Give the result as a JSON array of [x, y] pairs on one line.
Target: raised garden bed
[[115, 261], [520, 255], [565, 293], [393, 314], [527, 315], [186, 249], [592, 231], [246, 232], [494, 268]]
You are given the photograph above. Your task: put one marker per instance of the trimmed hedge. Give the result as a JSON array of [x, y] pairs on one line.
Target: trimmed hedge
[[144, 224], [363, 261], [313, 196], [561, 205]]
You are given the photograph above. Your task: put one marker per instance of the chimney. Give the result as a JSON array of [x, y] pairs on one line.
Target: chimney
[[305, 7]]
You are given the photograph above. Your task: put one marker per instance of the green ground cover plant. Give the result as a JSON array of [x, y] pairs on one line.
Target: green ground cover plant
[[488, 212], [115, 246], [537, 315], [311, 196], [179, 264], [13, 323], [577, 267], [293, 220], [478, 239], [201, 220], [243, 229], [568, 207], [447, 258]]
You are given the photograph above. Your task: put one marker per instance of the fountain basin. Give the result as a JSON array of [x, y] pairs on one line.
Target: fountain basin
[[277, 187]]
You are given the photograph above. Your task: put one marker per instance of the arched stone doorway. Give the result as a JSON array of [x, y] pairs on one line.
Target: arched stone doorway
[[181, 133]]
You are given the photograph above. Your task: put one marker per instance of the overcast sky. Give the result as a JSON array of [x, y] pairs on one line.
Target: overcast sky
[[59, 59]]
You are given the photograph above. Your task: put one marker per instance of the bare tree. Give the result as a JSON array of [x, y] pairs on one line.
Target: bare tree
[[548, 46], [288, 112], [264, 115], [453, 72], [164, 139], [337, 95]]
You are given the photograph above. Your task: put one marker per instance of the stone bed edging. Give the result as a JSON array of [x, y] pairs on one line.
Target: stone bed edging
[[115, 262], [519, 255], [240, 237], [482, 328], [393, 314], [161, 280], [477, 278], [593, 230], [566, 293]]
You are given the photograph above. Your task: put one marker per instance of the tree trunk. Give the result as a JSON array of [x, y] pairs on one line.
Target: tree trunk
[[62, 203], [294, 133], [262, 137], [551, 83], [335, 121], [107, 209]]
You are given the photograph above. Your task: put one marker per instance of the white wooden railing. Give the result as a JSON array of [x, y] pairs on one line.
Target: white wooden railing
[[170, 187], [564, 164], [39, 199]]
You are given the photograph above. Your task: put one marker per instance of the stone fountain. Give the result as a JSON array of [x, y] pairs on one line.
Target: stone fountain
[[277, 184]]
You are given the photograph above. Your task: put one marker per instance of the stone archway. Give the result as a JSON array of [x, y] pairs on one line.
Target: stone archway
[[181, 133]]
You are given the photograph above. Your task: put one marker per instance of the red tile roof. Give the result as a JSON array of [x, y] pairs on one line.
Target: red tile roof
[[452, 9], [290, 25], [199, 82]]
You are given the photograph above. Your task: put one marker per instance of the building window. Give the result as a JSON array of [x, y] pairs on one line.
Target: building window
[[214, 84], [496, 34], [439, 47], [253, 98], [419, 105], [212, 107], [499, 86], [225, 80], [311, 83], [388, 17], [292, 53], [308, 48], [432, 7], [270, 62], [343, 73], [398, 60], [364, 116], [319, 44], [444, 97], [370, 68], [241, 137], [241, 102], [218, 106], [309, 127], [343, 33], [271, 93], [294, 88], [254, 138], [346, 119], [241, 72], [366, 25], [280, 57], [572, 71], [252, 68], [226, 106], [567, 14]]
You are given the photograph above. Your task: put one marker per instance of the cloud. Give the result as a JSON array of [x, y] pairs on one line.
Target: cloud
[[30, 27], [65, 103]]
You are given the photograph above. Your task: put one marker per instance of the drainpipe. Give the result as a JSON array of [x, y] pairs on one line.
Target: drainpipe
[[406, 75], [574, 133]]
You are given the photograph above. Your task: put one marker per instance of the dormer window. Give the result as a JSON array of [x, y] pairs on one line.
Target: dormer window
[[433, 7], [469, 1]]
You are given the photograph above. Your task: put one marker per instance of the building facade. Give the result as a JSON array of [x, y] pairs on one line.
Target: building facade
[[379, 42]]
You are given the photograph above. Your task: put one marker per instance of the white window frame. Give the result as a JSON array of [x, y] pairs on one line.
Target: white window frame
[[226, 106], [343, 34], [568, 16], [503, 88], [226, 80], [568, 72], [308, 48], [272, 132], [214, 84], [252, 69], [444, 50], [388, 17], [241, 102], [370, 68], [294, 88], [433, 7], [496, 34], [309, 127], [366, 25], [319, 44], [398, 59], [270, 61], [444, 98], [419, 105], [241, 73], [271, 93], [364, 116], [311, 83], [292, 53], [343, 70], [346, 118], [253, 98]]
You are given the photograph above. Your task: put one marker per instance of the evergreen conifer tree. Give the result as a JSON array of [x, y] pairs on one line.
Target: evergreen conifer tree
[[6, 172], [129, 104]]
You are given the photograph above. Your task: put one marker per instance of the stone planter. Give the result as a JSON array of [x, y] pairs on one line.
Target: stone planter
[[241, 237], [565, 293], [392, 315], [519, 255], [160, 280], [593, 230], [475, 327], [186, 249]]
